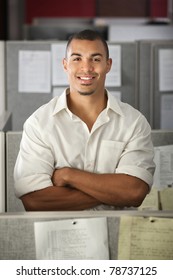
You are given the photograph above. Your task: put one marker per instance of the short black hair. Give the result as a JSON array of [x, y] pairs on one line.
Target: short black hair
[[91, 35]]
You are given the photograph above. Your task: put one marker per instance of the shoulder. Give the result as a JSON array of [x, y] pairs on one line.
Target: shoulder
[[124, 109], [43, 114]]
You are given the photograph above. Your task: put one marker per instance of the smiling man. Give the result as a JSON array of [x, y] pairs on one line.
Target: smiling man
[[84, 149]]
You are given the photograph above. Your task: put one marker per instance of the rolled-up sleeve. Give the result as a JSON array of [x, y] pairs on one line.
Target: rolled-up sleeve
[[35, 162], [137, 157]]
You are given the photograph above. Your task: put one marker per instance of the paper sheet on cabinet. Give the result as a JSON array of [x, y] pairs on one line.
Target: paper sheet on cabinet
[[166, 70], [166, 199], [163, 158], [113, 78], [72, 239], [145, 238], [59, 77], [34, 72]]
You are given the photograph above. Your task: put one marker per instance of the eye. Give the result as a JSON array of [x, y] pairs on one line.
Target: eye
[[97, 59], [76, 59]]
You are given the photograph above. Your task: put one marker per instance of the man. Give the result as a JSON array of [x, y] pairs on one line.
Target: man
[[84, 149]]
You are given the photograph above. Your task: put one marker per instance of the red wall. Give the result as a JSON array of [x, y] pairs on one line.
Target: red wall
[[93, 8], [159, 8], [59, 8]]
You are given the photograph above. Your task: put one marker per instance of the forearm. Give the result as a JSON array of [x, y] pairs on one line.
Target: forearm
[[113, 189], [58, 199]]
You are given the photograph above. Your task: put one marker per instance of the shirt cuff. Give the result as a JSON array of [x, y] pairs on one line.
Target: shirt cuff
[[138, 172], [31, 184]]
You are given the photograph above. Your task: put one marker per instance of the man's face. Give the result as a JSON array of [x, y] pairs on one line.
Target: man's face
[[86, 65]]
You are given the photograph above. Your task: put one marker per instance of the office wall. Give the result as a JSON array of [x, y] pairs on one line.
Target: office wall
[[150, 95], [162, 85], [2, 171], [15, 19]]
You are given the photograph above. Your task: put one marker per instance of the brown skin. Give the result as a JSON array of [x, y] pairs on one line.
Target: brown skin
[[86, 66]]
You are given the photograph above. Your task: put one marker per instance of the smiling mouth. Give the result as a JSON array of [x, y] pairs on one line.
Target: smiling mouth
[[86, 80]]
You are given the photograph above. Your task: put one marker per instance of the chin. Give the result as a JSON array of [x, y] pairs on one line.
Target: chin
[[85, 93]]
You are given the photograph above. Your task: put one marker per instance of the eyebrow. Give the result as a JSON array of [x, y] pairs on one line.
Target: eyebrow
[[94, 54]]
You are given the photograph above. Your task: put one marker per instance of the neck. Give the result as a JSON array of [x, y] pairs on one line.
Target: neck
[[87, 108]]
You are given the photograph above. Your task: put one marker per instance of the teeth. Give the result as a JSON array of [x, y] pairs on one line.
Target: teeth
[[86, 78]]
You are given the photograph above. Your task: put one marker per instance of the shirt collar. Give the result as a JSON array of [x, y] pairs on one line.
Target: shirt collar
[[61, 102], [112, 104]]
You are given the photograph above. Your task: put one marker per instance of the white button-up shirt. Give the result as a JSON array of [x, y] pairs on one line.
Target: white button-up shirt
[[53, 137]]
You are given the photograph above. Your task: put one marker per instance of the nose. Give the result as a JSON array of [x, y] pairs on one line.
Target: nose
[[87, 65]]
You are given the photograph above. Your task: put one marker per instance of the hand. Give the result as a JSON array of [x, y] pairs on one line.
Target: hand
[[60, 177]]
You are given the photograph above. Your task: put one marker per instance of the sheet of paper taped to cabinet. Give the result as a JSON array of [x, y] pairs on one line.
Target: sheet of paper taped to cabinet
[[72, 239], [145, 238]]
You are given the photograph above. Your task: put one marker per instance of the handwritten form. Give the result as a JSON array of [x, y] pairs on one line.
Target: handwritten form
[[72, 239], [34, 71], [145, 238], [166, 199]]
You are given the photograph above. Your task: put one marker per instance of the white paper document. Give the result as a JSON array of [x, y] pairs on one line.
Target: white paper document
[[166, 70], [34, 71], [163, 158], [59, 77], [72, 239], [113, 78]]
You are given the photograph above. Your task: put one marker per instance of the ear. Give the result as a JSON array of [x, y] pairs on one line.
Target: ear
[[109, 64], [64, 62]]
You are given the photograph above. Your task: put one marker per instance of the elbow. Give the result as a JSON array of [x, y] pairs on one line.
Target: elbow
[[134, 194], [139, 196], [29, 203], [138, 201]]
